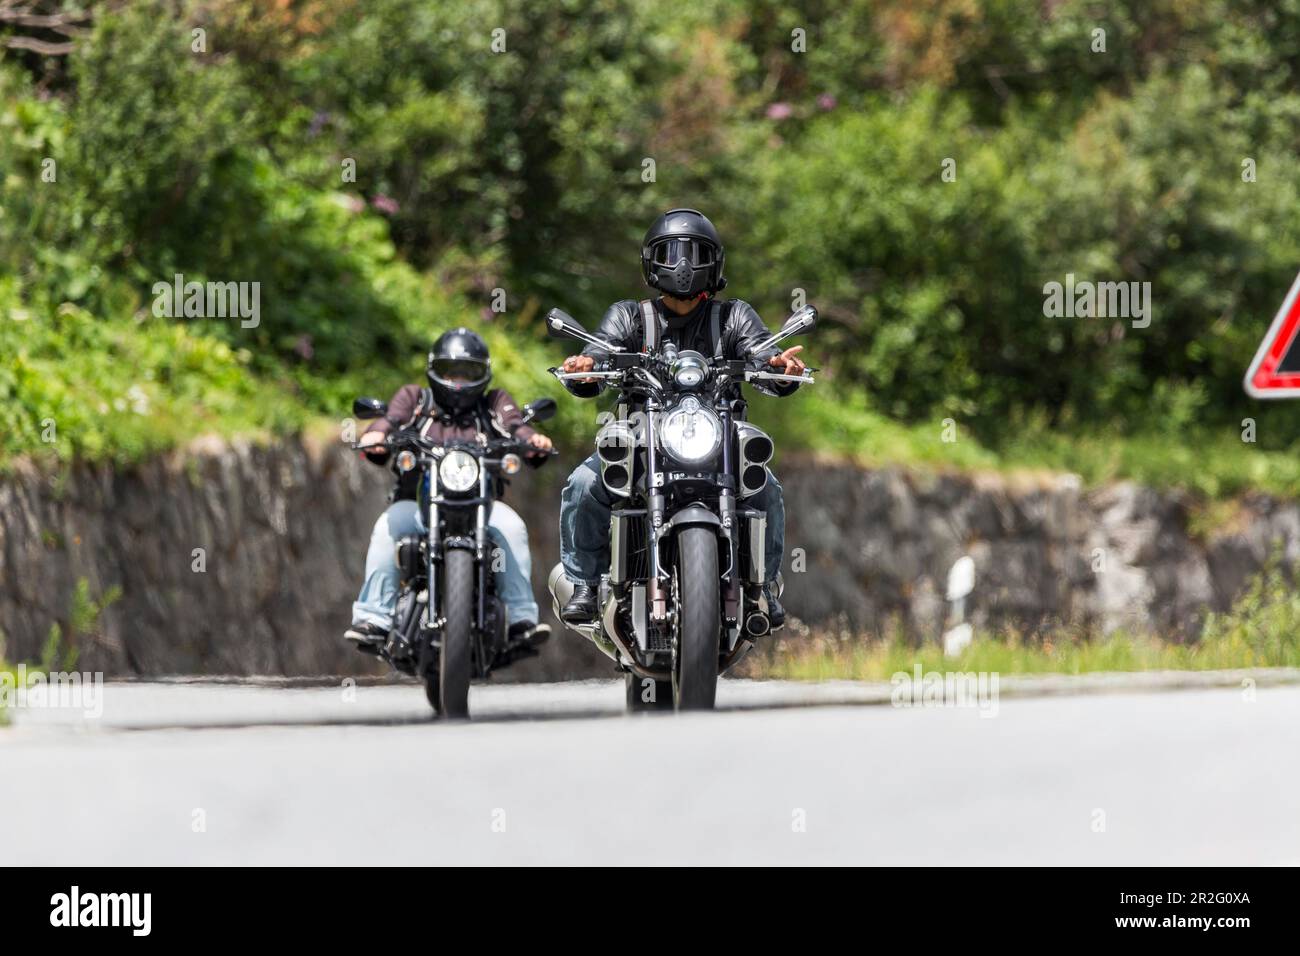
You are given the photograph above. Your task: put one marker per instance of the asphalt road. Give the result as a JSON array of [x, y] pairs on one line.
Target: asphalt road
[[234, 774]]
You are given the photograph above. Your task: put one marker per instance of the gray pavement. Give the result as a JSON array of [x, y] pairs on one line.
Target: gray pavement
[[231, 773]]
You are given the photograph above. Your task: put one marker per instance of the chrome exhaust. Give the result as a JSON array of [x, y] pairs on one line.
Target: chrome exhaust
[[561, 589], [603, 632], [628, 656], [757, 624]]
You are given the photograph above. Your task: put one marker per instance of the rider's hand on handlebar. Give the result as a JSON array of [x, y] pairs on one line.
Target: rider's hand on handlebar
[[789, 361], [372, 443], [540, 441], [579, 363]]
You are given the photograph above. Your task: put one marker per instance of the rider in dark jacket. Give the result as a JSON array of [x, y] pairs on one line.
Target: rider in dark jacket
[[681, 257], [456, 406]]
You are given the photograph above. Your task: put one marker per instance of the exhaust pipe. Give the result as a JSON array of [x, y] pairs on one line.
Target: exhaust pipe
[[561, 589], [627, 657], [603, 632], [757, 624]]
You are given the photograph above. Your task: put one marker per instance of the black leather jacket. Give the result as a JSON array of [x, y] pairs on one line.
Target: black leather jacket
[[739, 328]]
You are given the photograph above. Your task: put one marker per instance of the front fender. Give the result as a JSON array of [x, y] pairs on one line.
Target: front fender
[[694, 515]]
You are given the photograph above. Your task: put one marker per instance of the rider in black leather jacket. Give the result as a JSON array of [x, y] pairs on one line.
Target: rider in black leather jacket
[[683, 258], [739, 329]]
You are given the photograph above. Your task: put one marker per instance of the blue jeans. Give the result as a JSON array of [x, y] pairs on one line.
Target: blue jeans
[[378, 598], [584, 524]]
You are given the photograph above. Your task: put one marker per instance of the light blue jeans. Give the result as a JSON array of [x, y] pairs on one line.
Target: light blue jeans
[[508, 533]]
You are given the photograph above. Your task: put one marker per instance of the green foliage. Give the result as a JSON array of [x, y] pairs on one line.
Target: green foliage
[[86, 609], [524, 170], [60, 651], [934, 291], [1264, 624], [50, 649]]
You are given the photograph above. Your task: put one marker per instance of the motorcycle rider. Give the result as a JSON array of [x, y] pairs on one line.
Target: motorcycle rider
[[457, 405], [681, 258]]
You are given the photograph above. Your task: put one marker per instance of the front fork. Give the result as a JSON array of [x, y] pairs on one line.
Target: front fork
[[656, 593], [433, 545], [730, 533], [434, 538], [483, 554]]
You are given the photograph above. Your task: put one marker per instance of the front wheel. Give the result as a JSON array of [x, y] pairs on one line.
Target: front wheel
[[695, 671], [454, 663]]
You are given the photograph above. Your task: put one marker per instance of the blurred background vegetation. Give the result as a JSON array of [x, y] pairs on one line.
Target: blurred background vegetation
[[523, 171]]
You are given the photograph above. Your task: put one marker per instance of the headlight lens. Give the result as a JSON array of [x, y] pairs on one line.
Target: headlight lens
[[458, 471], [691, 432], [406, 461]]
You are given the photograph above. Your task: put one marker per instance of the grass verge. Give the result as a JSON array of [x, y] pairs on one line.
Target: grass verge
[[1262, 629]]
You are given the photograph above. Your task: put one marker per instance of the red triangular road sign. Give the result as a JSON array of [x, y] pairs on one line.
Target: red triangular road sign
[[1275, 372]]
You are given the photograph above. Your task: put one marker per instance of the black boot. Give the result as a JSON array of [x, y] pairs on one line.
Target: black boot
[[527, 634], [775, 612], [581, 608], [366, 636]]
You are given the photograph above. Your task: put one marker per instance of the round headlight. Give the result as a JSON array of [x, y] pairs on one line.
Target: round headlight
[[458, 471], [691, 432], [511, 463], [406, 461]]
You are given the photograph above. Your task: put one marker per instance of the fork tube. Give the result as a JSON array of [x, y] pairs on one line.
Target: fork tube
[[727, 505], [655, 512], [435, 551], [481, 543]]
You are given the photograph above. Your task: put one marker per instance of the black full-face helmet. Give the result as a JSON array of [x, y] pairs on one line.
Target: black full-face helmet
[[682, 255], [459, 369]]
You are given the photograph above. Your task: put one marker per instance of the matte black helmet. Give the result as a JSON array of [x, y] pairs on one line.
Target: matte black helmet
[[459, 368], [682, 255]]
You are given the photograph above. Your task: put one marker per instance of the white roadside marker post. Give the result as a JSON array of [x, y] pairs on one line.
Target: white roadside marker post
[[961, 582]]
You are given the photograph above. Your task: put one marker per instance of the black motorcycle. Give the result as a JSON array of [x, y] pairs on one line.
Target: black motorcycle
[[683, 600], [450, 626]]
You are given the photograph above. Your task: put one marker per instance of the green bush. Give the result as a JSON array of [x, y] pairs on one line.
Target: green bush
[[525, 171], [1263, 627]]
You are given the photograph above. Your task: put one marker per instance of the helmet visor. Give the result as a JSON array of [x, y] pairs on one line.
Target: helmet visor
[[459, 373], [669, 252]]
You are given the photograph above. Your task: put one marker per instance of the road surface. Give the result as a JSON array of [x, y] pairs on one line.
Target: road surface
[[213, 773]]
